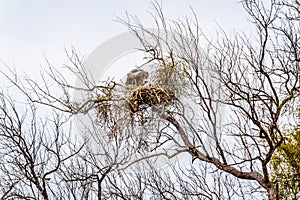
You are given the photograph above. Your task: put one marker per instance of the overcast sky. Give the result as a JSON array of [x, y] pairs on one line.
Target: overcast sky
[[33, 28]]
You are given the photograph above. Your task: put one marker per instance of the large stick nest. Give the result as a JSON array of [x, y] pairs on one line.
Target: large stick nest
[[149, 95]]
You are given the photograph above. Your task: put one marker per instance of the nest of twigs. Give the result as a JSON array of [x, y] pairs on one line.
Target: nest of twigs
[[150, 95]]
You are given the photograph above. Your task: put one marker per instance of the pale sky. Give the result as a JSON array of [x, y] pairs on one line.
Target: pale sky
[[33, 28]]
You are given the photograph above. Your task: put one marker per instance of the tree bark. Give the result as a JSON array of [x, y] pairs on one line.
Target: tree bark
[[272, 193]]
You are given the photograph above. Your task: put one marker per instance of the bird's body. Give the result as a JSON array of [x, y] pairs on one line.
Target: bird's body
[[137, 77]]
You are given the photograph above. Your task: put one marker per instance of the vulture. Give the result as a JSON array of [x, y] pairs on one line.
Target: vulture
[[137, 77]]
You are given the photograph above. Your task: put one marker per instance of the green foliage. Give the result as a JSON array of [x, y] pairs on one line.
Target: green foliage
[[172, 75], [285, 165]]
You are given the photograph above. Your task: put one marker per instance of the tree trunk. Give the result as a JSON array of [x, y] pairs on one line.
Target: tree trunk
[[272, 193]]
